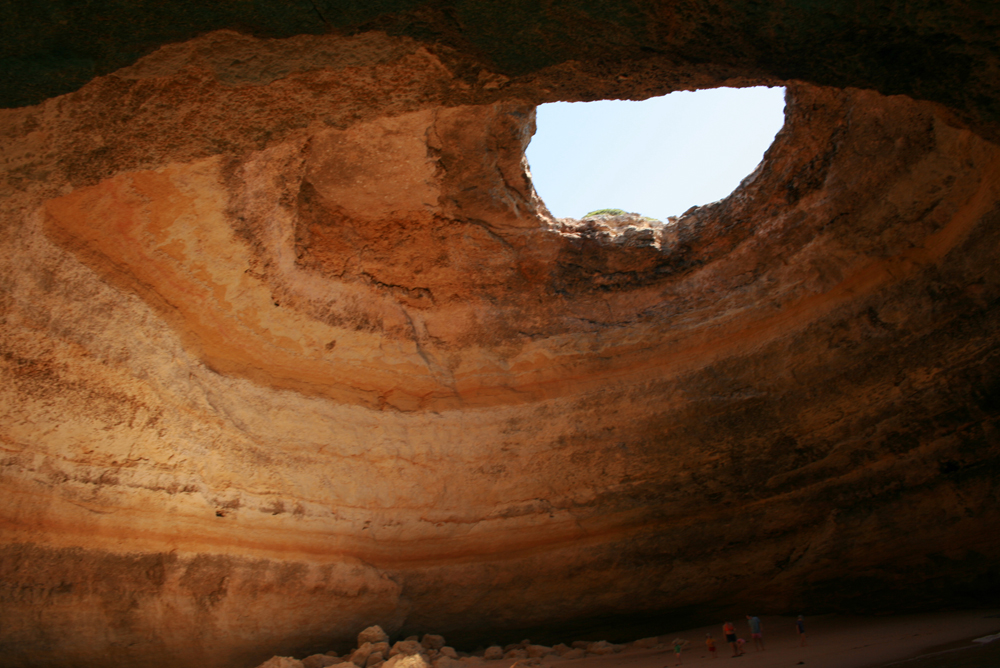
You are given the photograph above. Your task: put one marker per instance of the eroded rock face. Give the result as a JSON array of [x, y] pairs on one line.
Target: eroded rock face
[[290, 352]]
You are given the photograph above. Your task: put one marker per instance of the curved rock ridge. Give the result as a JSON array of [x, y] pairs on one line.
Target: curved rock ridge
[[290, 349]]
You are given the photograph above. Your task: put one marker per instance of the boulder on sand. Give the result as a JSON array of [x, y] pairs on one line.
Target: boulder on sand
[[319, 661], [601, 647], [281, 662], [407, 661], [360, 656], [447, 662], [407, 648], [493, 653], [373, 634]]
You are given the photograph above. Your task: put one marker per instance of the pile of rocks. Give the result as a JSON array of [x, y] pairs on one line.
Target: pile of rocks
[[374, 651]]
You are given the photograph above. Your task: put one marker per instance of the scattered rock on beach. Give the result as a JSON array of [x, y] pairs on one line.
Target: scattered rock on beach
[[493, 653], [281, 662], [407, 648], [319, 661], [373, 634], [360, 656], [407, 661], [601, 647], [374, 651], [447, 662], [536, 651]]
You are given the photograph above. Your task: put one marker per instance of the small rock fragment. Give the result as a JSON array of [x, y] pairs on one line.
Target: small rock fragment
[[319, 661], [407, 661], [577, 653], [373, 634], [361, 654], [449, 652], [516, 653], [560, 649], [493, 653], [406, 648], [432, 641], [281, 662], [447, 662], [601, 647], [646, 643], [373, 658], [537, 651]]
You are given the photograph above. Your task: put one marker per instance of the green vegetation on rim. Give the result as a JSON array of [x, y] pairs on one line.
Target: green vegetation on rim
[[607, 212]]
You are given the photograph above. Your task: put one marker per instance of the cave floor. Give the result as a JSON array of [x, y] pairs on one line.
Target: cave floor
[[834, 641]]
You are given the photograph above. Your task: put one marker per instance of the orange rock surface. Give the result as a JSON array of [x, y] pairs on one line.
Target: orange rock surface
[[287, 355]]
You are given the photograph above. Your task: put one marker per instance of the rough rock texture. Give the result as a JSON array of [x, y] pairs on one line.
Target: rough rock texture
[[374, 635], [289, 346]]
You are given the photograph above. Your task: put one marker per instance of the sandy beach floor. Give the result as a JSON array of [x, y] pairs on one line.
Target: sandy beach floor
[[833, 641]]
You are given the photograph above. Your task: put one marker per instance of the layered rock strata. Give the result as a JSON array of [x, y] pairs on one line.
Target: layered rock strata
[[290, 347]]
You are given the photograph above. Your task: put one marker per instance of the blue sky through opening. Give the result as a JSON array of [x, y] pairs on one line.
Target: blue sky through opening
[[658, 157]]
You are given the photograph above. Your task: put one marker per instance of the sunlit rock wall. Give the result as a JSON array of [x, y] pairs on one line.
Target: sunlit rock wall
[[290, 347]]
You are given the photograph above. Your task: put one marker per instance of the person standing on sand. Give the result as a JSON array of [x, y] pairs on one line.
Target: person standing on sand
[[730, 632], [800, 626], [755, 633], [710, 641], [678, 647]]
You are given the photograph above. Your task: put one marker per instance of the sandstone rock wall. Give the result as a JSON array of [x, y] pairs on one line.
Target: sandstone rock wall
[[291, 348]]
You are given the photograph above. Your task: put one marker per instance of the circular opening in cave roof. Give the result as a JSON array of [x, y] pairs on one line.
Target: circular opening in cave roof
[[658, 157]]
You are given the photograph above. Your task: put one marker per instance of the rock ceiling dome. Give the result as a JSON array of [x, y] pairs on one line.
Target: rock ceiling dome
[[291, 347]]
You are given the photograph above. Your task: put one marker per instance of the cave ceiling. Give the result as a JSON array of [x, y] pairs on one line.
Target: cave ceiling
[[291, 346]]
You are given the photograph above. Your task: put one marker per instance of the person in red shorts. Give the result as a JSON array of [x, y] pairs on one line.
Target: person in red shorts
[[730, 632], [710, 642]]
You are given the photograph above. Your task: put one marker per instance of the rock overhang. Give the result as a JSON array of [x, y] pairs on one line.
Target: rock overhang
[[784, 381]]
